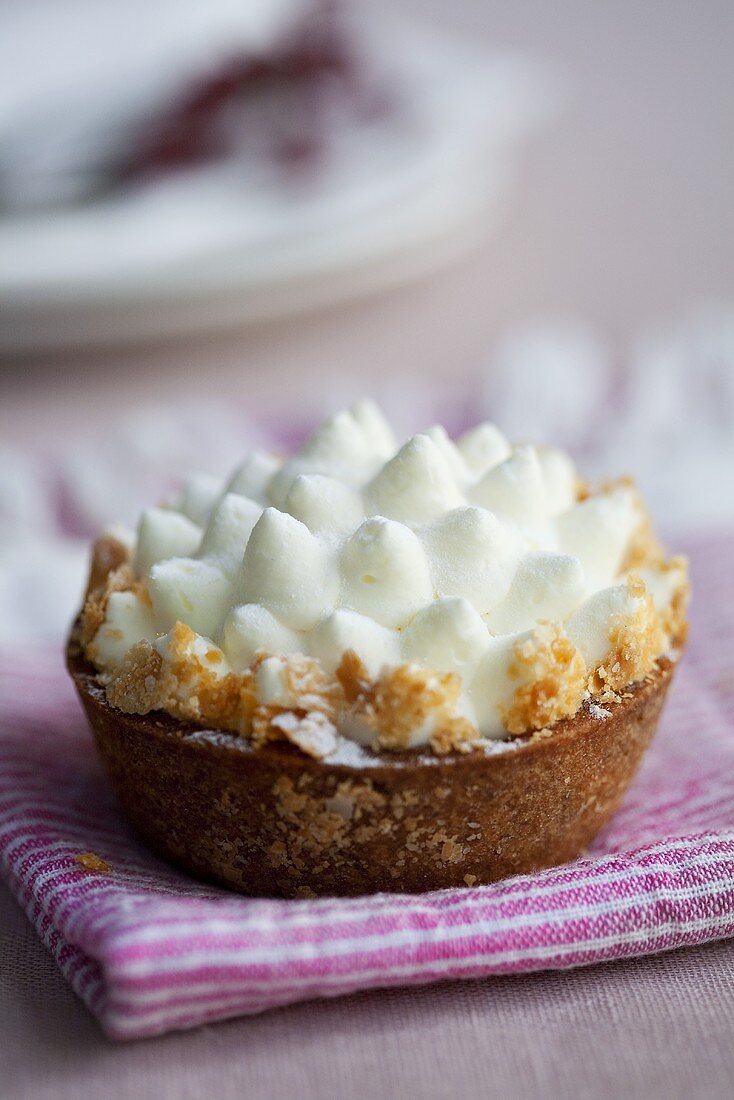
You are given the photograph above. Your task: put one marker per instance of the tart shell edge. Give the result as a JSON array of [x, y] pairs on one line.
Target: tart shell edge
[[273, 822]]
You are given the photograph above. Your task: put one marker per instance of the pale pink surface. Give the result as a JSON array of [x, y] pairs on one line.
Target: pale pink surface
[[150, 950]]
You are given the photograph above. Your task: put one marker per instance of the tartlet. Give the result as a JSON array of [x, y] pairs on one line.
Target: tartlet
[[376, 668]]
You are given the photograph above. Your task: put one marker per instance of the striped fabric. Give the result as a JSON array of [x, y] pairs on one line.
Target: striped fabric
[[150, 950]]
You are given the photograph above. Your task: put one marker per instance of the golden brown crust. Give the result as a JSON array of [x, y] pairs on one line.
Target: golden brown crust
[[272, 821]]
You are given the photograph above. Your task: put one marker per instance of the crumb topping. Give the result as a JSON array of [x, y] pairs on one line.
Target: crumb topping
[[673, 617], [353, 677], [400, 705], [314, 702], [108, 554], [407, 699], [119, 579], [405, 705], [636, 642], [110, 571], [394, 706], [553, 675], [183, 685]]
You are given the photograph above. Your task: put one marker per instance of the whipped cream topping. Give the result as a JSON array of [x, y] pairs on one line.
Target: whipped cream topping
[[470, 557]]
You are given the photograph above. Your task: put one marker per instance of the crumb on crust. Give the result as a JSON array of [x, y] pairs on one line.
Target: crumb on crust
[[318, 829], [353, 677], [404, 701], [184, 685], [119, 579], [310, 719], [644, 548], [673, 617], [394, 707], [110, 571], [108, 554], [636, 642], [553, 675]]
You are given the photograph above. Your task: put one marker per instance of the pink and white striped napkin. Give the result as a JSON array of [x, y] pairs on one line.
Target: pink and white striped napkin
[[150, 950]]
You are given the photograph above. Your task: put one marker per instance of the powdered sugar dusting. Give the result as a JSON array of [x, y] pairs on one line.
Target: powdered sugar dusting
[[599, 712]]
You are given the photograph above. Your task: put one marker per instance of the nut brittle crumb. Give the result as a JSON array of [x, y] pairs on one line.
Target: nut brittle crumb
[[311, 686], [108, 554], [184, 685], [111, 571], [644, 548], [554, 680], [673, 617], [404, 699], [636, 643], [353, 676], [90, 861], [119, 579], [313, 732], [315, 700], [136, 685]]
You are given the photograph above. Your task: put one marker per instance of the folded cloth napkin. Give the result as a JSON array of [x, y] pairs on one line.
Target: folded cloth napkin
[[150, 950]]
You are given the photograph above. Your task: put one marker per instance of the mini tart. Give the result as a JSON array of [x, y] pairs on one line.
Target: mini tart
[[271, 821]]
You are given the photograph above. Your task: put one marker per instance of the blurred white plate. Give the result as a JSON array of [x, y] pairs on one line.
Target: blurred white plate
[[206, 250]]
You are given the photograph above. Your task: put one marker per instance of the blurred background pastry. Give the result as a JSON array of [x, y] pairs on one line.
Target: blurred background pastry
[[174, 167]]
